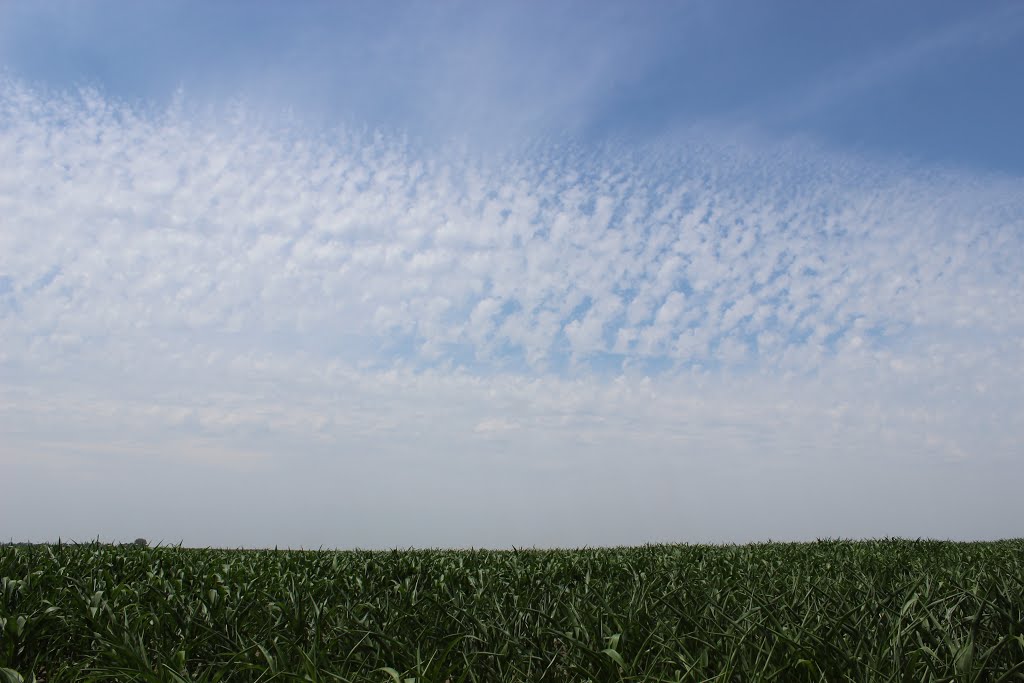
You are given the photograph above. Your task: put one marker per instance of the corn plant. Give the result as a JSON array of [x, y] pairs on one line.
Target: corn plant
[[889, 610]]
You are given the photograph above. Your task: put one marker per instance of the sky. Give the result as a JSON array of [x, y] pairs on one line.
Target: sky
[[458, 274]]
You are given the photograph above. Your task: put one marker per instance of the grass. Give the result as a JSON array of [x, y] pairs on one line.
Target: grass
[[889, 610]]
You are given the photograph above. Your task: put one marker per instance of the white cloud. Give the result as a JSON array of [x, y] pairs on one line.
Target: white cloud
[[172, 283], [493, 426]]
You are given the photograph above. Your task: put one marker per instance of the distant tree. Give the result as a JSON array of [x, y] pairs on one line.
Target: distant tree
[[141, 542]]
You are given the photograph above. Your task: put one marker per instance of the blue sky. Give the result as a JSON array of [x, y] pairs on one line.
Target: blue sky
[[493, 274], [930, 81]]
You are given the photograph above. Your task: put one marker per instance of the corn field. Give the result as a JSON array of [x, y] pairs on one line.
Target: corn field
[[890, 610]]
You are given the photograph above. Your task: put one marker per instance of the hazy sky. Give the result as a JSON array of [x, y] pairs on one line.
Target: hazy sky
[[494, 274]]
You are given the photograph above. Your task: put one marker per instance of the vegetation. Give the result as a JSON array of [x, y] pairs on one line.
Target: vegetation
[[828, 611]]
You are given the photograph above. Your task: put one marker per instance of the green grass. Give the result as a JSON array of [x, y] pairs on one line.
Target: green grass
[[828, 611]]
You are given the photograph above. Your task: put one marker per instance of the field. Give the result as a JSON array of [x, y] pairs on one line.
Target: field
[[888, 610]]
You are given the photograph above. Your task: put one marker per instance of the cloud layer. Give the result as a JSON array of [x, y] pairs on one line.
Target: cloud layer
[[249, 296]]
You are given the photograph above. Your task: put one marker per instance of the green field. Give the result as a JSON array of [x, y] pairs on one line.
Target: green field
[[828, 611]]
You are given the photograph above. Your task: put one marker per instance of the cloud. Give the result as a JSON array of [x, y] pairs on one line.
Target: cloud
[[493, 426], [180, 281]]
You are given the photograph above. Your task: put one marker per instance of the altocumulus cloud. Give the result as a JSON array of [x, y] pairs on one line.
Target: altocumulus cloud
[[710, 342]]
